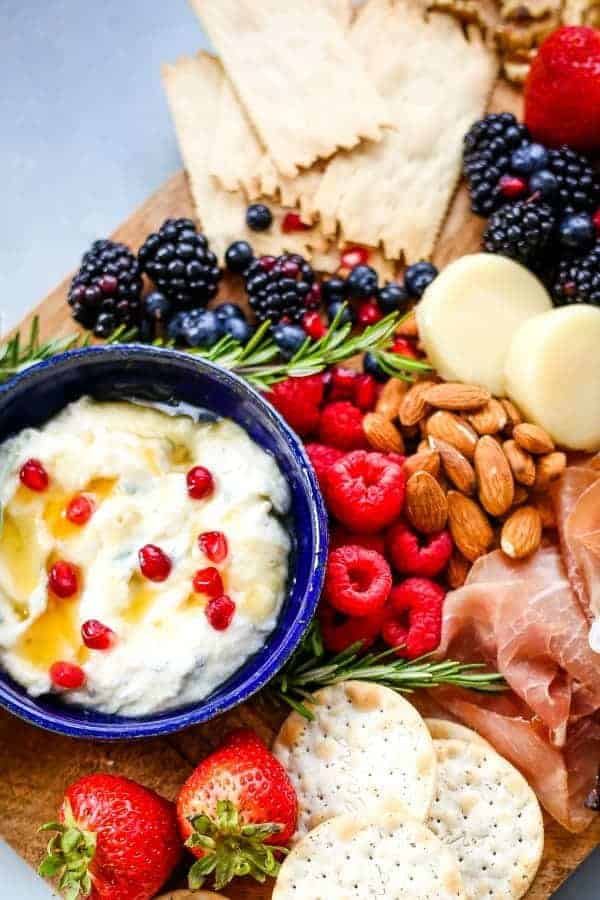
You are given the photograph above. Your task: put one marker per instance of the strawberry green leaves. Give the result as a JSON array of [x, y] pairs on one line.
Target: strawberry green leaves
[[68, 855]]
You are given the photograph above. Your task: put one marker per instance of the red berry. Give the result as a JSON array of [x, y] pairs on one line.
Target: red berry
[[404, 348], [154, 563], [97, 636], [369, 313], [341, 383], [413, 554], [220, 612], [62, 579], [365, 491], [511, 186], [267, 262], [67, 676], [423, 601], [34, 476], [214, 545], [365, 392], [322, 458], [200, 483], [298, 400], [340, 631], [313, 325], [354, 256], [80, 509], [208, 581], [292, 222], [341, 426], [357, 581], [341, 537]]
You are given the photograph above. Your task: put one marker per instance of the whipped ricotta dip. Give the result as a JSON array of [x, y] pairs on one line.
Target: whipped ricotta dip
[[131, 463]]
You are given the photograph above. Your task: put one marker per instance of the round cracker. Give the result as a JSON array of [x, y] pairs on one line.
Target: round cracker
[[345, 858], [366, 748], [487, 813], [443, 730]]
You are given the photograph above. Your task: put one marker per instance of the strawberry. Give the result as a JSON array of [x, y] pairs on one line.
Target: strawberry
[[562, 92], [114, 840], [236, 810]]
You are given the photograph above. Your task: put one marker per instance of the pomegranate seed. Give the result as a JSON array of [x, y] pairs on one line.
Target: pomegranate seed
[[200, 483], [97, 636], [365, 392], [342, 383], [369, 313], [219, 612], [208, 581], [354, 256], [155, 565], [404, 348], [34, 476], [293, 222], [596, 221], [313, 326], [80, 509], [66, 675], [214, 545], [510, 186], [313, 298], [62, 579], [267, 262]]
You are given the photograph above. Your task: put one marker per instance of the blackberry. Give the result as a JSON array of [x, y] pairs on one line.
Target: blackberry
[[578, 279], [578, 184], [488, 146], [106, 290], [521, 231], [178, 260], [279, 287]]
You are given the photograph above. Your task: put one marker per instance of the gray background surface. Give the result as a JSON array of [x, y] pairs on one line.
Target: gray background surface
[[85, 136]]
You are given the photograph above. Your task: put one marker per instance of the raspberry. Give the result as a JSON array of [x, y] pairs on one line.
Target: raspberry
[[200, 483], [422, 600], [298, 399], [340, 631], [341, 426], [339, 537], [357, 581], [342, 384], [413, 554], [365, 491], [322, 458], [365, 392]]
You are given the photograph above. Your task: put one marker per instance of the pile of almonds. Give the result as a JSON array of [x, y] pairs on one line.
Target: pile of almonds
[[478, 469]]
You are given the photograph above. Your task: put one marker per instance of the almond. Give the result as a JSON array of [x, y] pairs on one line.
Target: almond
[[457, 396], [549, 468], [469, 526], [414, 406], [521, 463], [544, 505], [490, 419], [455, 431], [533, 438], [423, 446], [496, 484], [457, 570], [426, 504], [456, 466], [513, 416], [381, 434], [408, 326], [390, 398], [522, 533], [521, 495], [427, 461]]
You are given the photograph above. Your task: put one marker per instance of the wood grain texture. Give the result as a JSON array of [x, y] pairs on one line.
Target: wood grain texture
[[37, 766]]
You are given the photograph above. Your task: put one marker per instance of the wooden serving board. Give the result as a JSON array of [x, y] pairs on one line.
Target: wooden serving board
[[36, 766]]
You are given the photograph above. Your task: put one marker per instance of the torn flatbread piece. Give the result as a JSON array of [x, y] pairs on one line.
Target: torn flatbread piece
[[304, 87]]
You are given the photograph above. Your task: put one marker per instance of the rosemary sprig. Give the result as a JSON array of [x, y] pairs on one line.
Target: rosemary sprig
[[311, 668]]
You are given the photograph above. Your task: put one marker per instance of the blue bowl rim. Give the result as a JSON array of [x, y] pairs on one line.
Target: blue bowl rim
[[134, 728]]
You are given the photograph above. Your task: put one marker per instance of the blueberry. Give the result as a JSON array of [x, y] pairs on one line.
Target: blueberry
[[238, 328], [577, 231], [418, 277], [392, 297], [528, 158], [157, 306], [333, 289], [238, 256], [334, 308], [175, 326], [228, 311], [289, 338], [361, 283], [372, 367], [258, 217], [544, 183], [201, 328]]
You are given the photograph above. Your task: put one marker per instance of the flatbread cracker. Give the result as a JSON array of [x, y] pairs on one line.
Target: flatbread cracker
[[302, 84], [366, 749], [443, 729], [490, 817], [397, 192], [348, 858]]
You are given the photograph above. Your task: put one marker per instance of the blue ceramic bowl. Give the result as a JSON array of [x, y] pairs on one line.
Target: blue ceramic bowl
[[167, 376]]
